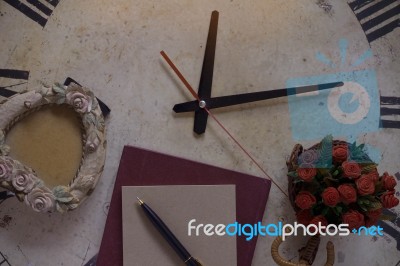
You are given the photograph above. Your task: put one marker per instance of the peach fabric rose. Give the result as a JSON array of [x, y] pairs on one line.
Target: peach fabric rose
[[308, 157], [351, 169], [370, 221], [353, 218], [319, 219], [365, 186], [389, 200], [339, 153], [306, 174], [304, 216], [23, 181], [330, 197], [40, 200], [348, 193], [81, 102], [305, 200], [373, 175], [316, 220], [374, 213], [388, 181]]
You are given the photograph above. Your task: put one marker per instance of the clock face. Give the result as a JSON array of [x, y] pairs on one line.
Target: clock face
[[113, 48]]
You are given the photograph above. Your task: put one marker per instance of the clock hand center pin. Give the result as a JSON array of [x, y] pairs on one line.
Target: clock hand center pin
[[202, 104], [192, 91]]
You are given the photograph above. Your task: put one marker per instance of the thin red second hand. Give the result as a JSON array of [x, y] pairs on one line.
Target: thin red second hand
[[192, 91]]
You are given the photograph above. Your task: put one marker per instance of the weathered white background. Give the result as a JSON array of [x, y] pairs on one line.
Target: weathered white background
[[113, 48]]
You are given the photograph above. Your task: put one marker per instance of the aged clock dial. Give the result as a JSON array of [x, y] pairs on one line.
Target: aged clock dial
[[113, 48], [204, 102]]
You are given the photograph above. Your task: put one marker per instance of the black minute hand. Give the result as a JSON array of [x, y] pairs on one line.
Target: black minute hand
[[224, 101]]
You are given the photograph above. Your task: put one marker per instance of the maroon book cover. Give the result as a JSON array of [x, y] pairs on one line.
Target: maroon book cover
[[140, 167]]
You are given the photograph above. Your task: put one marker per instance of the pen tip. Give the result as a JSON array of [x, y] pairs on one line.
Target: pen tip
[[139, 200]]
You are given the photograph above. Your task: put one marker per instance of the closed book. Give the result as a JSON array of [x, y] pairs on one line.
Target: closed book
[[141, 167]]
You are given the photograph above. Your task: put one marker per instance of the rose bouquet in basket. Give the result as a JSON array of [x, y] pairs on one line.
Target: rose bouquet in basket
[[335, 182]]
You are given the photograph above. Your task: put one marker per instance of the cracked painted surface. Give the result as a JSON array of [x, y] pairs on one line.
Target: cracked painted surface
[[113, 48]]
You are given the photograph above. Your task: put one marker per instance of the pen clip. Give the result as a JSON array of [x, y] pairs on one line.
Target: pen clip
[[196, 261]]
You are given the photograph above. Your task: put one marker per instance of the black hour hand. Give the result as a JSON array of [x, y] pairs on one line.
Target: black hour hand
[[204, 92]]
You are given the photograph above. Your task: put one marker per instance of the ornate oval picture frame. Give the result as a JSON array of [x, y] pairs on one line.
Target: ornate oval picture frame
[[22, 180]]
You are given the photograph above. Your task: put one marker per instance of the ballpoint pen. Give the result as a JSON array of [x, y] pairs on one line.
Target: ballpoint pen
[[168, 235]]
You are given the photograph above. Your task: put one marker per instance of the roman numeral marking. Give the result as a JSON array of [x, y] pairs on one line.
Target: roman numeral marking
[[390, 111], [390, 124], [5, 195], [40, 17], [12, 74], [397, 175], [385, 100], [377, 18], [3, 260], [393, 231], [359, 4]]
